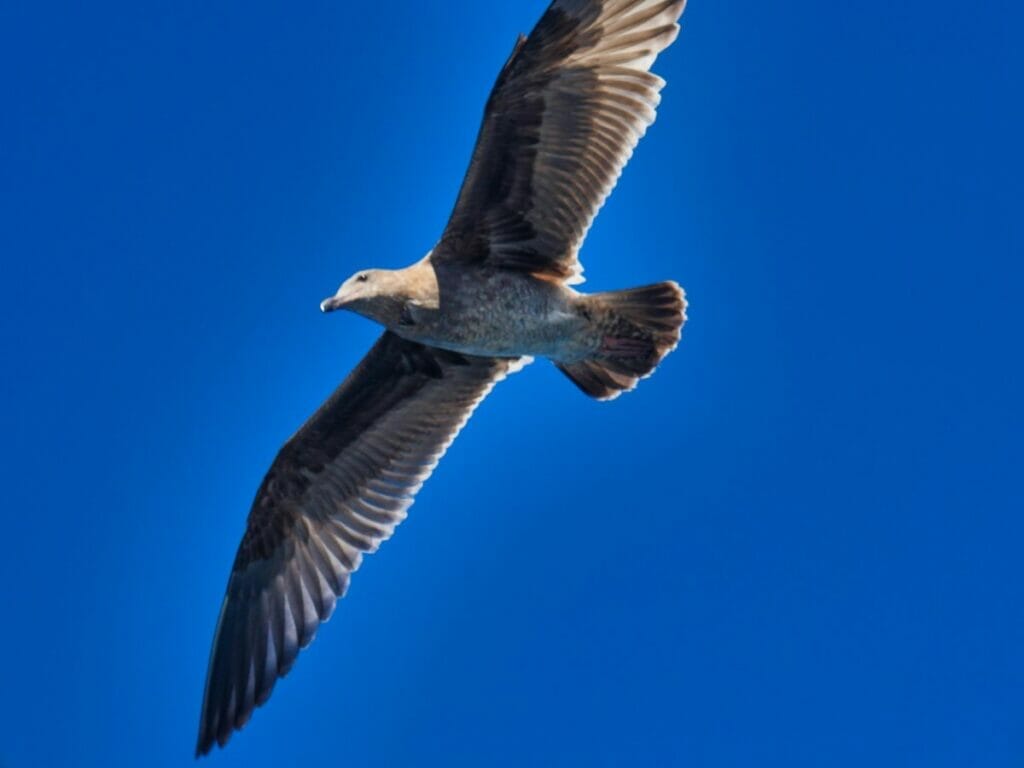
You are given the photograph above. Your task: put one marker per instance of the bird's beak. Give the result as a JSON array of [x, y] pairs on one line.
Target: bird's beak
[[351, 295], [343, 298], [334, 302]]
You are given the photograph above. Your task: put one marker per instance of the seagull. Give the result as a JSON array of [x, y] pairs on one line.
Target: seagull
[[567, 110]]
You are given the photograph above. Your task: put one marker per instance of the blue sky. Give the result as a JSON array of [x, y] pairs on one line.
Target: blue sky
[[797, 544]]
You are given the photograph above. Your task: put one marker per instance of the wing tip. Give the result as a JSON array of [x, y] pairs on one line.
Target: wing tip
[[206, 740]]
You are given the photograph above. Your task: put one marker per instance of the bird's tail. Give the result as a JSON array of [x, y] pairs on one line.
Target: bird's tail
[[639, 327]]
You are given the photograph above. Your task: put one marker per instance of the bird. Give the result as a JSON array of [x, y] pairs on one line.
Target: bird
[[563, 118]]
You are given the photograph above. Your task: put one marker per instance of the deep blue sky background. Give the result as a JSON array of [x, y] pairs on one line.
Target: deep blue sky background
[[798, 544]]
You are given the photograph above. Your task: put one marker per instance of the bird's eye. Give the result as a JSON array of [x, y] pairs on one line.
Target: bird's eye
[[362, 278]]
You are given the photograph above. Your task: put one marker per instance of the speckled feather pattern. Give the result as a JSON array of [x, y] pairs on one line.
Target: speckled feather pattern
[[503, 313]]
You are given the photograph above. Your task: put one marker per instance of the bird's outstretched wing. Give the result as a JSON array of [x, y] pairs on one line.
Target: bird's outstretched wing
[[562, 120], [337, 489]]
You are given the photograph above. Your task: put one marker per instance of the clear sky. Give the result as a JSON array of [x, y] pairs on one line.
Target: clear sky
[[798, 544]]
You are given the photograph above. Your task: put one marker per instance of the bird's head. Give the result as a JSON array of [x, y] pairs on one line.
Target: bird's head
[[375, 293]]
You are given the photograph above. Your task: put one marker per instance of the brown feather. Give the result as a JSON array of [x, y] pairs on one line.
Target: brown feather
[[336, 490], [568, 107]]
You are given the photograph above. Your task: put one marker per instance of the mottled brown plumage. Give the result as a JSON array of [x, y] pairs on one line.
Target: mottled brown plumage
[[569, 106]]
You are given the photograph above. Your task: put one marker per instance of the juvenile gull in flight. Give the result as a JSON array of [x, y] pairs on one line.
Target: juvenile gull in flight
[[569, 106]]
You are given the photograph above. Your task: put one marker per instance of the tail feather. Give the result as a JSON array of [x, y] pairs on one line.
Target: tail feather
[[639, 327]]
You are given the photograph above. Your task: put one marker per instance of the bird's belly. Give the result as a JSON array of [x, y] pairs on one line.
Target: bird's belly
[[509, 321]]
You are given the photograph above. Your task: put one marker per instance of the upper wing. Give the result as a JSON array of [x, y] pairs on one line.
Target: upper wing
[[562, 120], [337, 489]]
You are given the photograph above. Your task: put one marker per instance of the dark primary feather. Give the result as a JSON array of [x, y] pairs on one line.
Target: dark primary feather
[[337, 489], [569, 106]]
